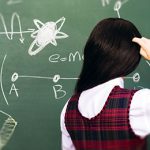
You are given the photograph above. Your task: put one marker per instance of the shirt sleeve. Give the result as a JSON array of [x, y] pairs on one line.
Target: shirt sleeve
[[66, 139], [139, 114]]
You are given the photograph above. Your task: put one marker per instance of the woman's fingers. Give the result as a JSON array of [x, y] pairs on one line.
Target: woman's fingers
[[145, 46], [139, 41]]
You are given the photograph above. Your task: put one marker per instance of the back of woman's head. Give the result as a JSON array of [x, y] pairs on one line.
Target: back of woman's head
[[109, 53]]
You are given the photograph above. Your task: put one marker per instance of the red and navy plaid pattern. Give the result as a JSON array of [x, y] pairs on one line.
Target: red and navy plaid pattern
[[109, 130]]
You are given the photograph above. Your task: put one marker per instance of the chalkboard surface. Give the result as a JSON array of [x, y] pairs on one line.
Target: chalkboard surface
[[41, 43]]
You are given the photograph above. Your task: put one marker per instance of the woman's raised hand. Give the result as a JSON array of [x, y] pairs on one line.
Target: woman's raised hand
[[145, 46]]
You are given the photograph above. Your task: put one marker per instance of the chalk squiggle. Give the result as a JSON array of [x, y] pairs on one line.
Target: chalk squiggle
[[1, 79], [10, 34]]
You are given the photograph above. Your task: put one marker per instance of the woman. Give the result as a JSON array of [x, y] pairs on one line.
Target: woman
[[102, 114]]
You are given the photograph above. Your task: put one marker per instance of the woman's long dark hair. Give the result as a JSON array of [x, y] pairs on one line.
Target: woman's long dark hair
[[109, 53]]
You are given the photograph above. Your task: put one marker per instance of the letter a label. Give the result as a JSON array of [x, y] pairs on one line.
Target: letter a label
[[13, 88]]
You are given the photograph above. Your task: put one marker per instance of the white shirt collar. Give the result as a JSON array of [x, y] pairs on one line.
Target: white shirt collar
[[92, 100]]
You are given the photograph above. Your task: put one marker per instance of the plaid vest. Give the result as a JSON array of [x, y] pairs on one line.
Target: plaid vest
[[109, 130]]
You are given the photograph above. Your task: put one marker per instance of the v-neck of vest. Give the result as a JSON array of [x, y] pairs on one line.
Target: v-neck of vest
[[98, 115]]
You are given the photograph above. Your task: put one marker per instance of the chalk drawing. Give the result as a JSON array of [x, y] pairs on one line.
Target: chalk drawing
[[1, 80], [13, 87], [9, 34], [7, 129], [141, 87], [72, 57], [105, 2], [117, 7], [55, 79], [57, 88], [59, 92], [46, 33], [136, 77], [12, 2], [148, 62]]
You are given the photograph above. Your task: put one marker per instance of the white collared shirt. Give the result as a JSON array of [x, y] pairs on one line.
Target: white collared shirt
[[92, 101]]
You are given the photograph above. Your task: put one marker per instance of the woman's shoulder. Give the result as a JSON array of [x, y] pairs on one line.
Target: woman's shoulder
[[139, 112], [142, 93], [141, 99]]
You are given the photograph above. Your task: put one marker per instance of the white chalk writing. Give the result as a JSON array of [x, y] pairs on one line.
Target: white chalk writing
[[72, 57]]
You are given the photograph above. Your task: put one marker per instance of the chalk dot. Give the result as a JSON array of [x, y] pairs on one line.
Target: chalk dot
[[56, 78], [136, 77], [14, 77]]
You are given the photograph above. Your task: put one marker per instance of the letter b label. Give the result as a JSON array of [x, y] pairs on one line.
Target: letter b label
[[58, 91]]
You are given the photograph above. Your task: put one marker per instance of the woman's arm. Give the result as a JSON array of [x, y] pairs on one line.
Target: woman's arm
[[66, 139], [139, 114]]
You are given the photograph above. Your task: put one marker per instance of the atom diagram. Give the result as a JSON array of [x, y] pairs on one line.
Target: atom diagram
[[47, 33]]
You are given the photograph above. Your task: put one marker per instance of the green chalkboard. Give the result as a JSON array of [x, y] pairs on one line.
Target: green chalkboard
[[41, 43]]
